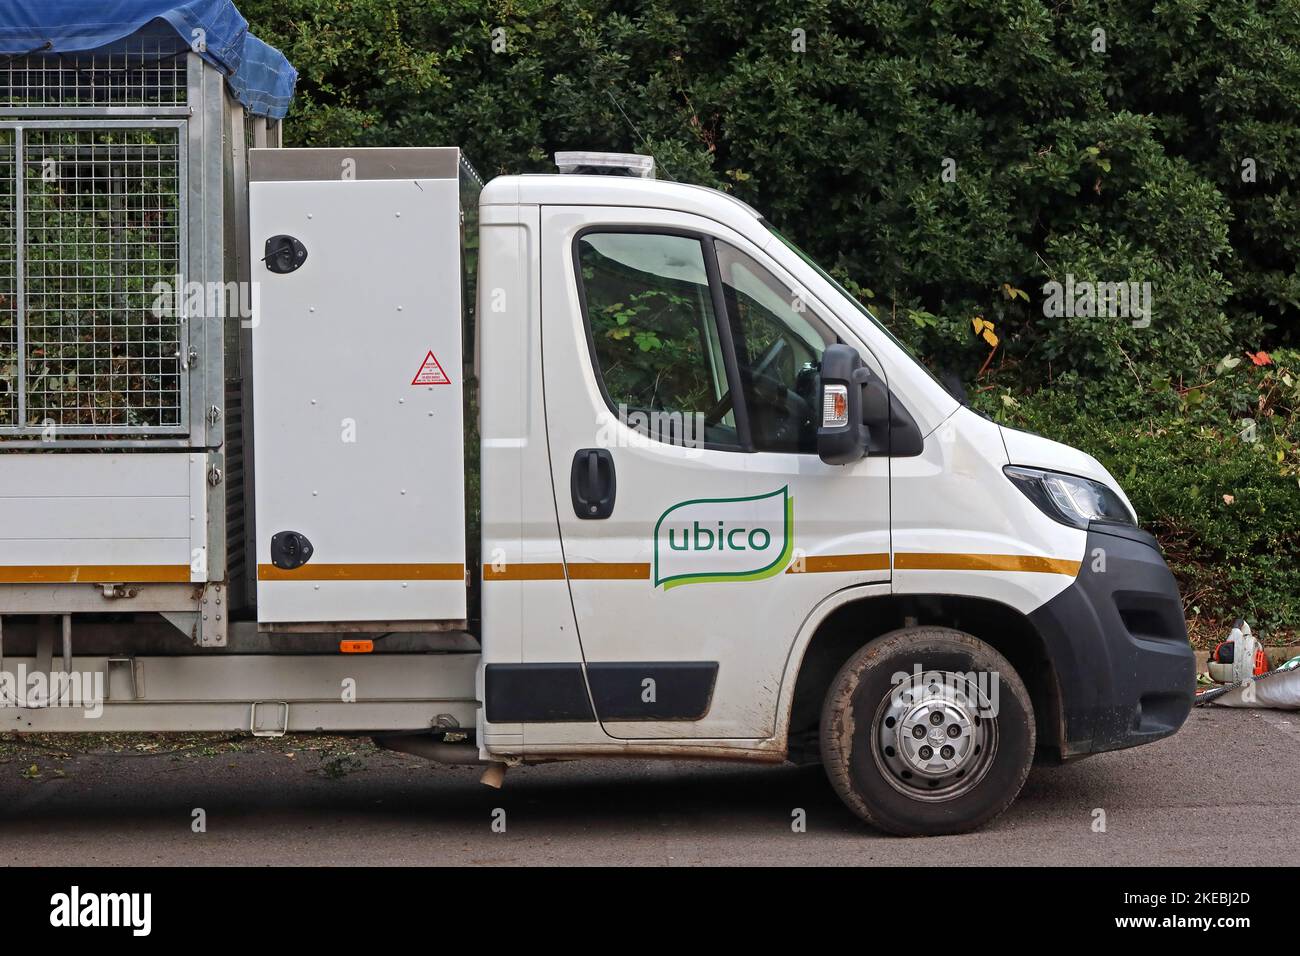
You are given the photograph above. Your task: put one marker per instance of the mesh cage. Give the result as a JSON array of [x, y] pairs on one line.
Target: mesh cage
[[144, 70], [92, 249], [101, 231], [93, 218]]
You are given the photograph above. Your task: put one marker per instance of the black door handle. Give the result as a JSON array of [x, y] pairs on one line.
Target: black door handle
[[284, 254], [592, 483]]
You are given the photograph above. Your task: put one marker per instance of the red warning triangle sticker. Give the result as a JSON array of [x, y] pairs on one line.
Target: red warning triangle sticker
[[431, 372]]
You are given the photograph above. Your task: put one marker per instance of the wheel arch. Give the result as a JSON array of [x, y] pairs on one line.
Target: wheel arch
[[849, 620]]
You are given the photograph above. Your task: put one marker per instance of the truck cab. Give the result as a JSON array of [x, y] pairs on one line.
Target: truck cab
[[725, 513]]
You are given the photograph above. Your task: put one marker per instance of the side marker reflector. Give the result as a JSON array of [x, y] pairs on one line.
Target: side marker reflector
[[356, 647]]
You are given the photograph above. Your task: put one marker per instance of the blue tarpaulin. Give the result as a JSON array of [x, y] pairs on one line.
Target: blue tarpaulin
[[258, 74]]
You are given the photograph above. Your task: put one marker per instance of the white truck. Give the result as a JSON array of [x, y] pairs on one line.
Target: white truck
[[685, 496]]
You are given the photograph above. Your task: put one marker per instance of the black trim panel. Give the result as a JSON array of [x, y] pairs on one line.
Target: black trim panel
[[1118, 643], [683, 690], [536, 693]]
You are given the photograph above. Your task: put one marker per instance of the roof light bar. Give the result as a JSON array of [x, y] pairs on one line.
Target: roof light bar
[[587, 163]]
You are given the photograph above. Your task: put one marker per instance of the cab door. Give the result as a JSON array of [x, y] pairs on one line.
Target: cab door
[[698, 526]]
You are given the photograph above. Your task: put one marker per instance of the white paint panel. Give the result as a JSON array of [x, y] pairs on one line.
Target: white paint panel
[[120, 509], [65, 552], [365, 600], [109, 475], [349, 452], [94, 517]]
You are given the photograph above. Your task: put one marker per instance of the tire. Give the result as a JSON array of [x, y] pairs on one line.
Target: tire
[[982, 732]]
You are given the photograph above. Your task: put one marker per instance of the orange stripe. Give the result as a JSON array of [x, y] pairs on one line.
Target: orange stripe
[[95, 573], [812, 564], [820, 564], [984, 562], [524, 571], [363, 572], [609, 571], [546, 571]]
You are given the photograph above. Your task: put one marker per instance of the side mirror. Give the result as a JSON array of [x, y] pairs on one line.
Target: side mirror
[[843, 435]]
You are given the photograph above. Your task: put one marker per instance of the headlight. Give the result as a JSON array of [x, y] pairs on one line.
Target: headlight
[[1070, 499]]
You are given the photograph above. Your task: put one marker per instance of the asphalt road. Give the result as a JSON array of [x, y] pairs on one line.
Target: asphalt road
[[1226, 788]]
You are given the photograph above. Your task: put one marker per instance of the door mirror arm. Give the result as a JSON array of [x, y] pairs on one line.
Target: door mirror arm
[[891, 429]]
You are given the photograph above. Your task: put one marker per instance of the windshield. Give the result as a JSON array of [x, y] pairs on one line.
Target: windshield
[[854, 299]]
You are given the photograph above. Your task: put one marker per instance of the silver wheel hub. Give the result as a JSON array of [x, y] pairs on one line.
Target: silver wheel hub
[[929, 737], [935, 737]]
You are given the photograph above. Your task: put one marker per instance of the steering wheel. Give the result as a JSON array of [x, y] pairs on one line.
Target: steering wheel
[[757, 374], [772, 354]]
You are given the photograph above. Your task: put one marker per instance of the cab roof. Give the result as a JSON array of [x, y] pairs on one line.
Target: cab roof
[[554, 189]]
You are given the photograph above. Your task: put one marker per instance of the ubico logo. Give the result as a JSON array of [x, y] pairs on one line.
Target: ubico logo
[[724, 539]]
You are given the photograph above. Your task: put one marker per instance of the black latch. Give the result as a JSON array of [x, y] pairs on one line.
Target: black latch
[[593, 483], [284, 254], [289, 550]]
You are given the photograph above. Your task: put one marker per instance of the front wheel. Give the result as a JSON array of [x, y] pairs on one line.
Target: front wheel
[[926, 731]]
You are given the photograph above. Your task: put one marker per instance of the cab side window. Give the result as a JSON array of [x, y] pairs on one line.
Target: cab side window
[[779, 343], [654, 335]]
